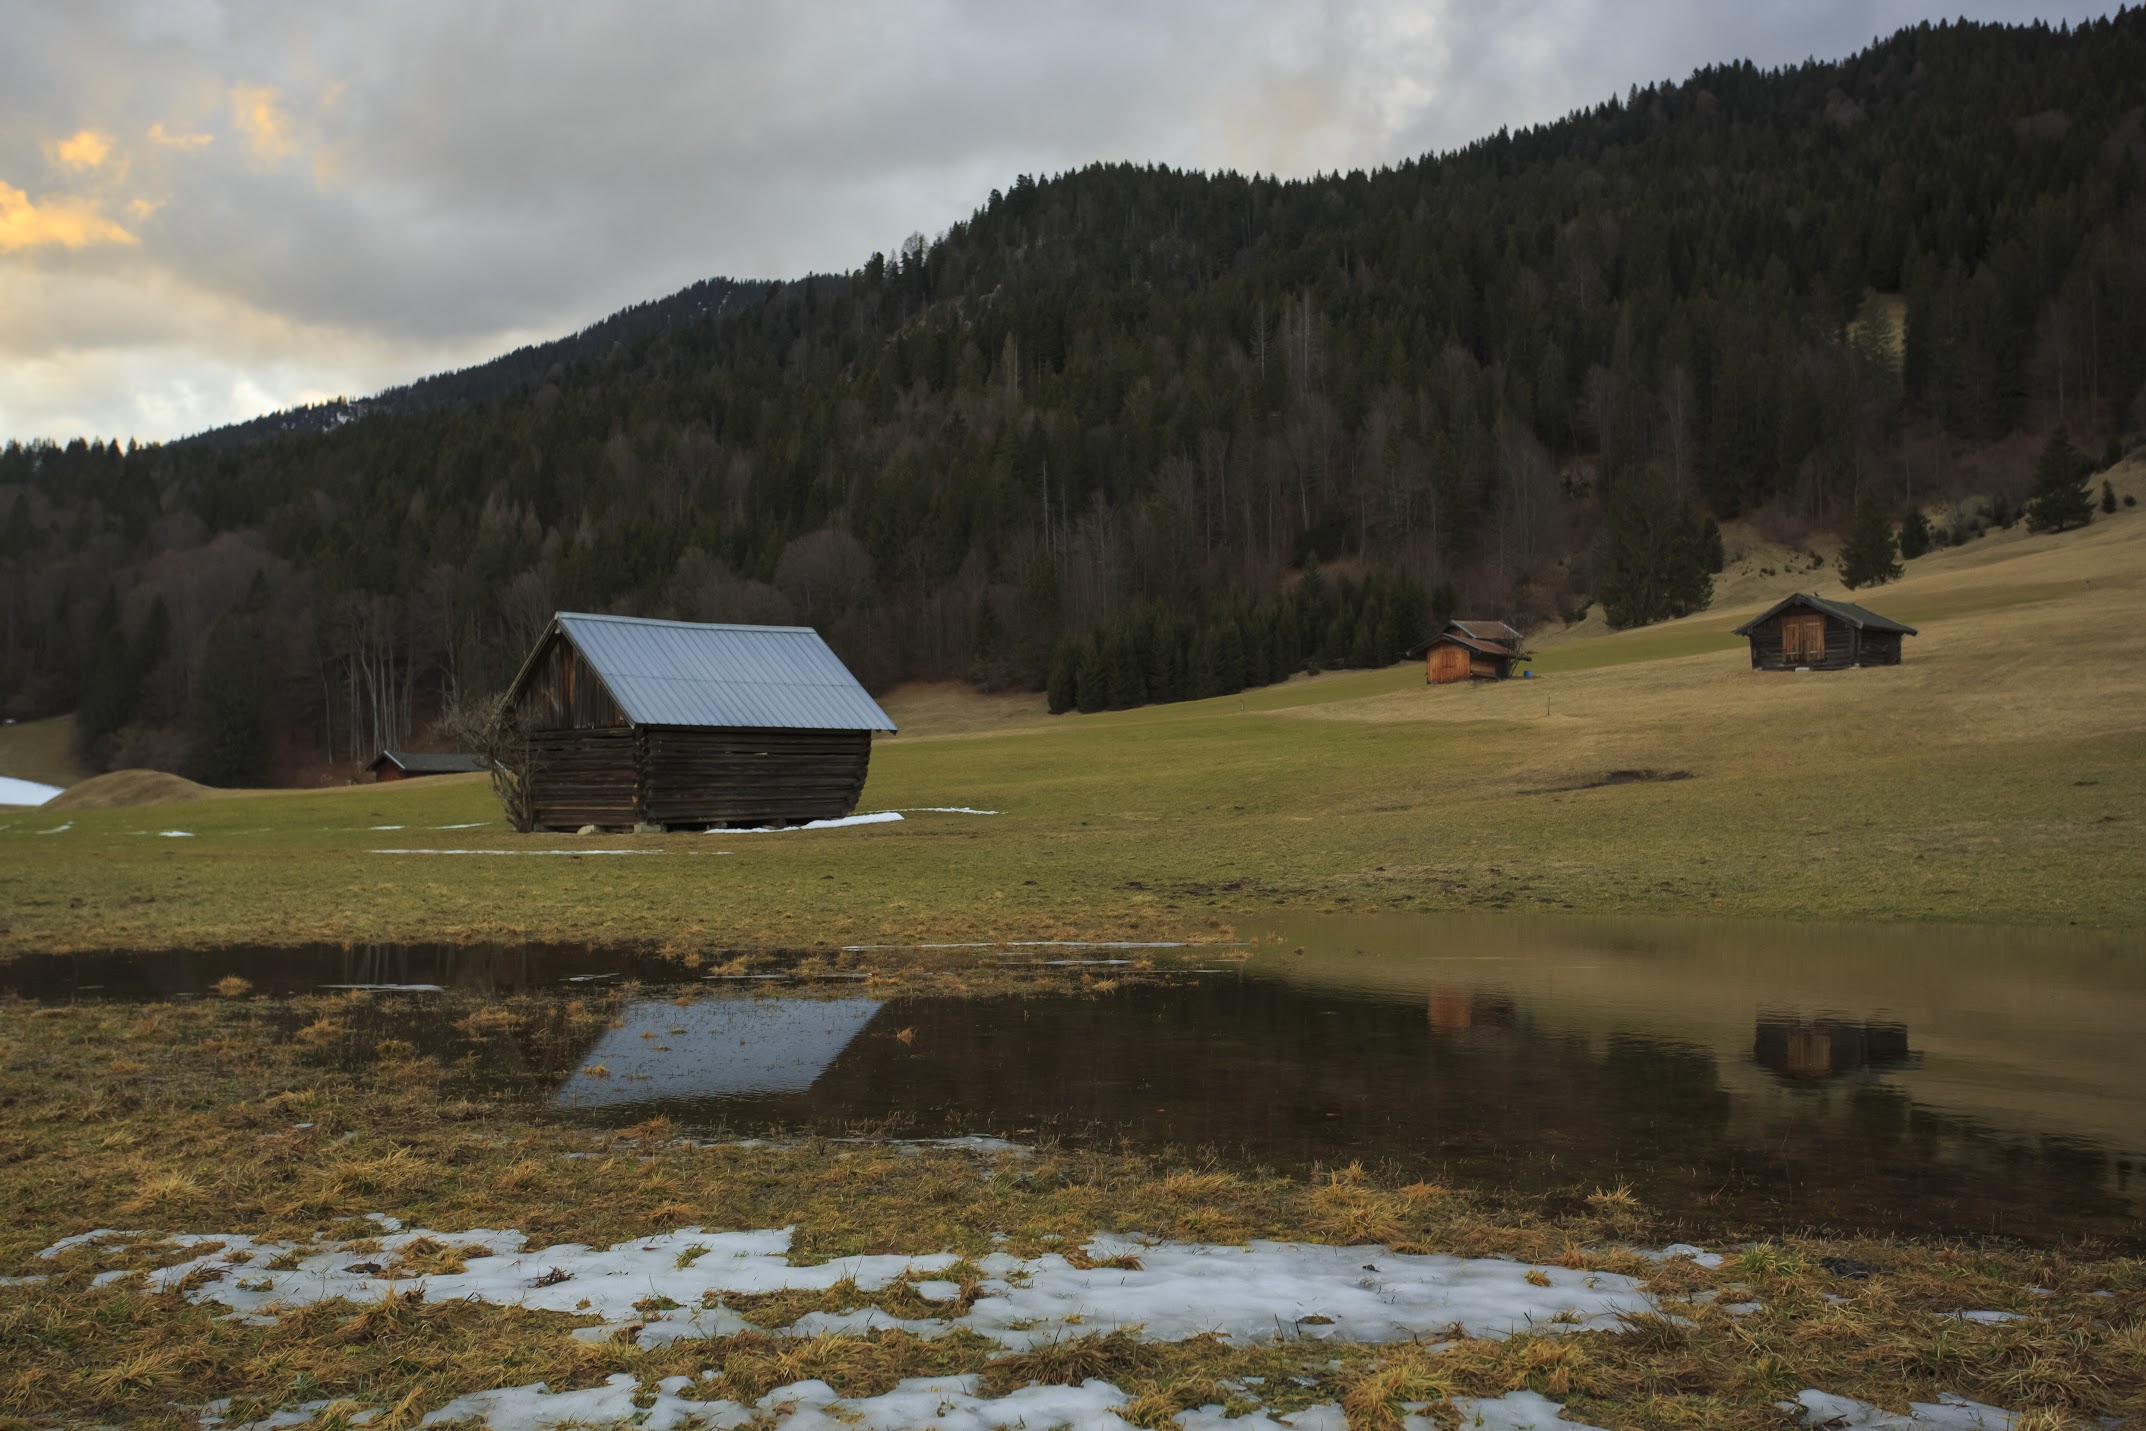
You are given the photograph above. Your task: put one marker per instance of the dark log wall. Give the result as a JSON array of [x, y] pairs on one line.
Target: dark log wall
[[589, 766], [583, 777], [1880, 648], [563, 694], [1845, 646], [698, 776]]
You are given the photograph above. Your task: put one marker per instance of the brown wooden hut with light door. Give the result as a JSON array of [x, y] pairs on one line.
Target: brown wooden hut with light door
[[621, 722], [1809, 633], [1471, 651]]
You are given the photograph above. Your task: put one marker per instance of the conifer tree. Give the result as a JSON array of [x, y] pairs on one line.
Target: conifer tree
[[1869, 557], [1914, 534], [1650, 561], [2062, 497]]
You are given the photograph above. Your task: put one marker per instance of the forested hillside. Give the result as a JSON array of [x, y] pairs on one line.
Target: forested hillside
[[1098, 428]]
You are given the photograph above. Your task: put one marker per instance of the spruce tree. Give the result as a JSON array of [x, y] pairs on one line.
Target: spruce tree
[[2061, 497], [1062, 690], [1092, 678], [2108, 498], [1914, 534], [1869, 557], [227, 726], [1650, 561]]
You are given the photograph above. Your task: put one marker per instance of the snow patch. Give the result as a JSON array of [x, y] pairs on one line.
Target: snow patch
[[1698, 1255], [1949, 1413], [58, 829], [175, 834], [1166, 1291], [472, 825], [883, 817], [515, 852], [946, 1403], [14, 791]]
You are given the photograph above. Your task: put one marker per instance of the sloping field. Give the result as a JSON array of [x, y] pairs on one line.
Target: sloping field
[[40, 750], [1998, 776]]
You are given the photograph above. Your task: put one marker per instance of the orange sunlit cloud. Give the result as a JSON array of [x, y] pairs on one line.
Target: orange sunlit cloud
[[158, 134], [63, 222], [258, 111], [86, 150]]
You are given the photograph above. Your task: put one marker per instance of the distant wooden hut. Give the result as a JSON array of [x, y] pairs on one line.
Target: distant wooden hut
[[620, 722], [410, 764], [1809, 633], [1471, 651]]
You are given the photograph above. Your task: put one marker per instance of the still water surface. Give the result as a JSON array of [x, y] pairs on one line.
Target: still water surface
[[1740, 1078]]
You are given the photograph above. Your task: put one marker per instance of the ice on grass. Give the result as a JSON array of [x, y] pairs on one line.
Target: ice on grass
[[882, 817], [1163, 1291], [1948, 1413], [576, 853], [945, 1403]]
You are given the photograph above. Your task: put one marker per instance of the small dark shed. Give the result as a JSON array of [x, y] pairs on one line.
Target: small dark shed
[[1809, 633], [408, 764], [618, 721], [1470, 651]]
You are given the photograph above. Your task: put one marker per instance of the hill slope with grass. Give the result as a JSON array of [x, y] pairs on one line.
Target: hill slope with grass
[[1997, 776]]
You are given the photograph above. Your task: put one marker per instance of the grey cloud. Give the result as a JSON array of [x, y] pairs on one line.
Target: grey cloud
[[489, 171]]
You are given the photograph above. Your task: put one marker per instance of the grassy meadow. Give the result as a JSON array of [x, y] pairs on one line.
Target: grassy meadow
[[1997, 776]]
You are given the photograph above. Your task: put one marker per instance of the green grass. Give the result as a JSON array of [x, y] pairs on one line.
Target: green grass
[[40, 750], [1999, 776], [1138, 826]]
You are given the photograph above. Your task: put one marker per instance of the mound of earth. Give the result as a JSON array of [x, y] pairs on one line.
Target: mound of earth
[[127, 787]]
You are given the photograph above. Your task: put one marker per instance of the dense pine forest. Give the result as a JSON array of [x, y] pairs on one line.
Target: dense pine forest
[[1132, 433]]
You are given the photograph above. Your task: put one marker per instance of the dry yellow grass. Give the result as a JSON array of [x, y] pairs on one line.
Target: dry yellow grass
[[218, 1123]]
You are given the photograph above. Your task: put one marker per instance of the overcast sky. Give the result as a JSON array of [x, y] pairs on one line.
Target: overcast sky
[[211, 210]]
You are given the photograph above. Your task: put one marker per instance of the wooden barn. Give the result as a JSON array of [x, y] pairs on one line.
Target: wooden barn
[[409, 764], [1809, 633], [617, 722], [1471, 651]]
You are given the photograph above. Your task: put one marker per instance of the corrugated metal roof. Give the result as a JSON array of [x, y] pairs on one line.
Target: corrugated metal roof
[[1486, 631], [689, 673], [1861, 617]]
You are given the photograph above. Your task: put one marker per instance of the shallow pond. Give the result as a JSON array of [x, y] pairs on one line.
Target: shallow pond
[[1739, 1078]]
